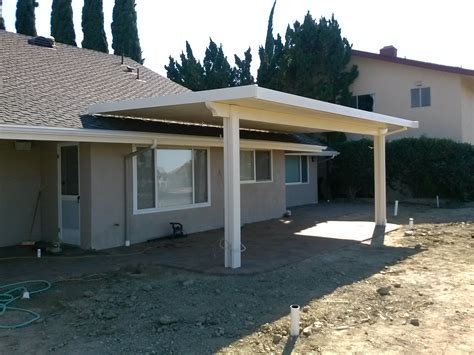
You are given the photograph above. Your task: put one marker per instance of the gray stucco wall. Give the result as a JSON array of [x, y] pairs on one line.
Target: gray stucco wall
[[23, 174], [304, 194], [259, 201]]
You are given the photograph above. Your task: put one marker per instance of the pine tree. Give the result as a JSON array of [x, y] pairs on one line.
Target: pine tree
[[241, 72], [93, 26], [125, 39], [62, 26], [25, 17]]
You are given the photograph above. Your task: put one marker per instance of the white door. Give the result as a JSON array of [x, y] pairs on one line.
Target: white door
[[69, 200]]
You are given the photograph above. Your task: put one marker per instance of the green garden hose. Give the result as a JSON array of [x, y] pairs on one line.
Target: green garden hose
[[12, 292]]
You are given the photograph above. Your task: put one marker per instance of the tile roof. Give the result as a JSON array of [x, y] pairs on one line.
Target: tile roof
[[413, 63], [42, 86]]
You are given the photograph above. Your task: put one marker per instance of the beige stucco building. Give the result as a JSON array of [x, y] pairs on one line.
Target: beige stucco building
[[440, 97]]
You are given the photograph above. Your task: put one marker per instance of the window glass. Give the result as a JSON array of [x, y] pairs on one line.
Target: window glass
[[174, 175], [146, 180], [263, 165], [246, 165], [69, 170], [415, 97], [365, 102], [304, 168], [292, 169], [200, 176], [425, 97]]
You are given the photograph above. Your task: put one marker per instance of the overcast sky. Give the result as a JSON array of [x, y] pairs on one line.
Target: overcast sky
[[434, 31]]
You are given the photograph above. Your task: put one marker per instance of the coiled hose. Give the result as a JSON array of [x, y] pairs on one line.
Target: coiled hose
[[12, 292]]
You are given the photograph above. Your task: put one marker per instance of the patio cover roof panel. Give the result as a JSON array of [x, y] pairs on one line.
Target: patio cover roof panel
[[257, 108]]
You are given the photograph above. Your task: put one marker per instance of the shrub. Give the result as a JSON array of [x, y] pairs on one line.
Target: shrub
[[423, 167]]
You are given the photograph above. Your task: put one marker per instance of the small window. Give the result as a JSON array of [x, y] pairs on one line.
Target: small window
[[420, 97], [296, 169], [363, 102], [255, 165]]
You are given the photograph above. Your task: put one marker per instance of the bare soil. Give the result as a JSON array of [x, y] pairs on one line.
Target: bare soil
[[413, 294]]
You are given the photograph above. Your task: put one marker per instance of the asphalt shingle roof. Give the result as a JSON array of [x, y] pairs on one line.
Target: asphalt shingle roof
[[53, 87]]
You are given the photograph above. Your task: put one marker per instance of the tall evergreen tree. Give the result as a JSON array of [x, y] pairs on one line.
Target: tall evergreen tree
[[62, 26], [125, 39], [25, 17], [2, 23], [241, 72], [93, 26], [217, 71], [189, 73], [266, 54]]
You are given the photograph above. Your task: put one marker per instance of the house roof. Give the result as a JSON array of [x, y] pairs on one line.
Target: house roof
[[413, 63], [53, 87]]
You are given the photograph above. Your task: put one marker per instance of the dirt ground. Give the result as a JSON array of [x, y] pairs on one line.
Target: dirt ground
[[413, 294]]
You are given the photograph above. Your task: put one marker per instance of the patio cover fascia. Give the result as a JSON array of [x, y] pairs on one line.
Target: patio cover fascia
[[253, 107]]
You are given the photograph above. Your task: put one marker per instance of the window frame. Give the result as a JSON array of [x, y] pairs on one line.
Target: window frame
[[420, 96], [157, 209], [255, 181], [301, 182]]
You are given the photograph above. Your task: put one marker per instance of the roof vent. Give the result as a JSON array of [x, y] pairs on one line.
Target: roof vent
[[389, 51], [42, 41]]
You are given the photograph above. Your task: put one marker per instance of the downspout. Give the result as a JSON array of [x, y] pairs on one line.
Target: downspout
[[125, 169]]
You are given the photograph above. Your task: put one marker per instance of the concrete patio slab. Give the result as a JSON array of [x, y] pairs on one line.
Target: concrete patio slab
[[266, 246]]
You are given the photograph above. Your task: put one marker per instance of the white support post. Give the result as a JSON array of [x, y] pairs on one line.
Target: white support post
[[380, 180], [232, 190]]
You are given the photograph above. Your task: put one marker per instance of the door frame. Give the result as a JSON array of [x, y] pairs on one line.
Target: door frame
[[59, 177]]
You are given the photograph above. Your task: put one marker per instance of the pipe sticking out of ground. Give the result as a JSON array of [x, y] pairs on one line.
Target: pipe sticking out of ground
[[294, 320]]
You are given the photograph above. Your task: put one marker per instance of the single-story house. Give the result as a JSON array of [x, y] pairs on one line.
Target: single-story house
[[98, 151]]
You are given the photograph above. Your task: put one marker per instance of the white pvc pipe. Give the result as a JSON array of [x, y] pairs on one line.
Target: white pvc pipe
[[410, 223], [38, 253], [395, 210], [294, 320], [437, 201]]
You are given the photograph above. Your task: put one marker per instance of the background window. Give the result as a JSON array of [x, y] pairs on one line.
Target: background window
[[263, 165], [146, 180], [420, 97], [363, 102], [296, 169], [247, 165]]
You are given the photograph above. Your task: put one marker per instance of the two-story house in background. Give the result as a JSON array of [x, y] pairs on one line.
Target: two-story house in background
[[440, 97]]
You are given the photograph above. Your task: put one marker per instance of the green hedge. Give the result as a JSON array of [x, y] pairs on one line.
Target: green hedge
[[422, 167]]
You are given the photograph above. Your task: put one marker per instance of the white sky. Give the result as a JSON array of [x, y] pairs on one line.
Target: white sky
[[429, 30]]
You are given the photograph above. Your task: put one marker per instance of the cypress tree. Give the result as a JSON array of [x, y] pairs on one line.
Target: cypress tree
[[189, 73], [93, 26], [25, 17], [62, 26], [241, 72], [125, 39], [2, 23], [265, 71], [217, 71]]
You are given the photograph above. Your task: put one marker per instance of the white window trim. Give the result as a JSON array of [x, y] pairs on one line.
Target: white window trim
[[137, 211], [255, 181], [301, 171]]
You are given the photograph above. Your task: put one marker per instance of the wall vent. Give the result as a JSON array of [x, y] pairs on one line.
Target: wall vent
[[42, 41]]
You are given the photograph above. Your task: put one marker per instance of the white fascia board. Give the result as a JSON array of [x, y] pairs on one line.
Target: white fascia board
[[56, 134], [326, 153]]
